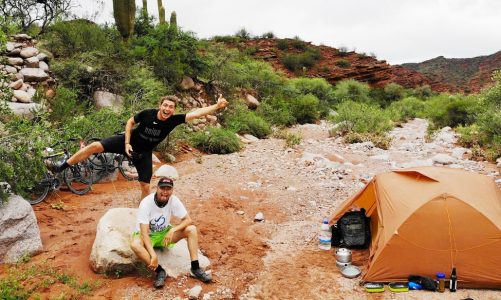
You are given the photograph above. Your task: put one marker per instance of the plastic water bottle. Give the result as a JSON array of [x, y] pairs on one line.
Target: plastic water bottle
[[325, 236]]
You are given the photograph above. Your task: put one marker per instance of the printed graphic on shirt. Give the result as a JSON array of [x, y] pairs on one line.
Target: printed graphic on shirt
[[158, 224]]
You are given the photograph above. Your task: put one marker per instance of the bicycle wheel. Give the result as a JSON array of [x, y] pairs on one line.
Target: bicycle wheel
[[39, 191], [78, 178], [98, 165], [127, 168]]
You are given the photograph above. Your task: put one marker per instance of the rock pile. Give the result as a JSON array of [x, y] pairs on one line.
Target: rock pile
[[23, 68]]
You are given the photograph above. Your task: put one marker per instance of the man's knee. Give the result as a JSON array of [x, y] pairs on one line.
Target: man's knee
[[191, 230], [95, 147], [136, 245]]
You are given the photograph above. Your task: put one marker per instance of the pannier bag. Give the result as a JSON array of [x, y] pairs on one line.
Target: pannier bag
[[352, 230]]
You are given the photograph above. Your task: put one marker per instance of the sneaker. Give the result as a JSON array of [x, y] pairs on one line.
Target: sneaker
[[160, 279], [200, 275]]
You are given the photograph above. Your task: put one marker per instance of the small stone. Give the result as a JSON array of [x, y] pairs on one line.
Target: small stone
[[15, 61], [16, 85], [22, 96], [29, 52], [240, 212], [259, 217], [194, 292]]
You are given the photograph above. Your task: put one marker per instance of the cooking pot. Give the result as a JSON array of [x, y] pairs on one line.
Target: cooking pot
[[343, 255], [341, 265]]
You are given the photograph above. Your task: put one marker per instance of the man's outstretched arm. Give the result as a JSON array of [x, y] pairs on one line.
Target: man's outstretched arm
[[200, 112]]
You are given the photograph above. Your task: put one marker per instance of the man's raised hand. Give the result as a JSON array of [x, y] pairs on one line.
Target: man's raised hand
[[221, 102]]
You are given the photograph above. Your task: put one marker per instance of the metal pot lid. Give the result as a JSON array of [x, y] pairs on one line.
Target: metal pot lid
[[351, 271]]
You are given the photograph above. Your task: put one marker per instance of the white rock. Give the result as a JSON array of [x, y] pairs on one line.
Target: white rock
[[31, 92], [34, 74], [29, 52], [459, 152], [380, 157], [167, 171], [155, 159], [15, 61], [187, 83], [498, 161], [22, 37], [31, 62], [16, 85], [251, 101], [443, 159], [250, 138], [44, 66], [240, 212], [418, 163], [16, 52], [22, 96], [10, 69], [107, 99], [498, 180], [42, 56], [19, 234], [194, 292], [259, 217], [10, 46]]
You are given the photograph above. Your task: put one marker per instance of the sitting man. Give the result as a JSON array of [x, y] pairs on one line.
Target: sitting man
[[153, 229]]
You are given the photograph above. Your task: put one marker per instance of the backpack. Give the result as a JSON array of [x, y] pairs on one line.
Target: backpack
[[352, 230]]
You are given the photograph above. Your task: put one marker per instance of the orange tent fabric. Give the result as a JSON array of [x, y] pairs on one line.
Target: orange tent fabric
[[427, 220]]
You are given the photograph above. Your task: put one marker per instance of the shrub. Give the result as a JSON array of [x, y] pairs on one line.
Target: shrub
[[298, 44], [276, 111], [72, 37], [101, 123], [242, 120], [65, 105], [251, 50], [343, 51], [305, 109], [291, 138], [445, 110], [406, 109], [243, 34], [282, 44], [380, 140], [227, 39], [268, 35], [142, 88], [297, 62], [351, 90], [362, 118], [342, 63], [393, 92], [318, 87], [216, 140]]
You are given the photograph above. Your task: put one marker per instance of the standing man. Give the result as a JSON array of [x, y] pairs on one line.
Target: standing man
[[153, 229], [138, 143]]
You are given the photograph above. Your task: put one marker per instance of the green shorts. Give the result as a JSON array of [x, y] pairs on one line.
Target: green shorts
[[157, 237]]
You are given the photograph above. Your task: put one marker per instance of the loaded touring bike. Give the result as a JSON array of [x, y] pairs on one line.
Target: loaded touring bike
[[77, 178]]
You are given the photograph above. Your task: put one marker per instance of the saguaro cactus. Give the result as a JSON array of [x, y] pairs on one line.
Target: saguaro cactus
[[124, 12], [173, 23], [161, 12], [145, 9]]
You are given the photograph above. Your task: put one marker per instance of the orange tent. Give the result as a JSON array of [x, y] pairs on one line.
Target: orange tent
[[427, 220]]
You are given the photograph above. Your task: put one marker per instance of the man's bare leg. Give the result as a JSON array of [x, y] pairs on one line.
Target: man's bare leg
[[137, 246], [84, 153], [145, 190]]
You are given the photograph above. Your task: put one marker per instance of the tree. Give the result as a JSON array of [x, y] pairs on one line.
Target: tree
[[145, 9], [26, 13], [124, 12]]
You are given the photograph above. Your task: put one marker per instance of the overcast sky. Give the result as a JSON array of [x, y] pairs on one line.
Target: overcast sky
[[397, 31]]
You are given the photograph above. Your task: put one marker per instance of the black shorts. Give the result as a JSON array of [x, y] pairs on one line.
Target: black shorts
[[144, 164]]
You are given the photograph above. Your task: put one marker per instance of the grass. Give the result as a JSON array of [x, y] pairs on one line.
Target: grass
[[30, 282]]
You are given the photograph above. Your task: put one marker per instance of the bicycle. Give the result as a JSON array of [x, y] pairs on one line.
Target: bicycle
[[104, 163], [77, 177]]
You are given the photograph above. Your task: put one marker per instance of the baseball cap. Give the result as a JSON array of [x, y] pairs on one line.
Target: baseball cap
[[165, 182]]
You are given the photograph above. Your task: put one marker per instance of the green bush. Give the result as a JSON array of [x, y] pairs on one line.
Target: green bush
[[406, 109], [393, 92], [291, 138], [65, 106], [243, 34], [3, 40], [242, 120], [171, 56], [216, 140], [142, 88], [361, 118], [380, 140], [342, 63], [352, 90], [276, 111], [423, 92], [298, 62], [268, 35], [101, 123], [282, 44], [305, 109], [446, 110], [298, 44], [318, 87], [67, 38]]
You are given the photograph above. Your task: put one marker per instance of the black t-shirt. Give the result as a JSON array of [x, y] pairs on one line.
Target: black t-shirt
[[151, 131]]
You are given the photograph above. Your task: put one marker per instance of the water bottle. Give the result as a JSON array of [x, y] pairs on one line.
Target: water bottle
[[453, 283], [324, 236]]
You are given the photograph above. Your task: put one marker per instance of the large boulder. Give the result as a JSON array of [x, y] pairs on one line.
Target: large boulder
[[23, 109], [34, 74], [251, 101], [111, 252], [29, 52], [167, 171], [106, 99], [19, 234], [187, 83]]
